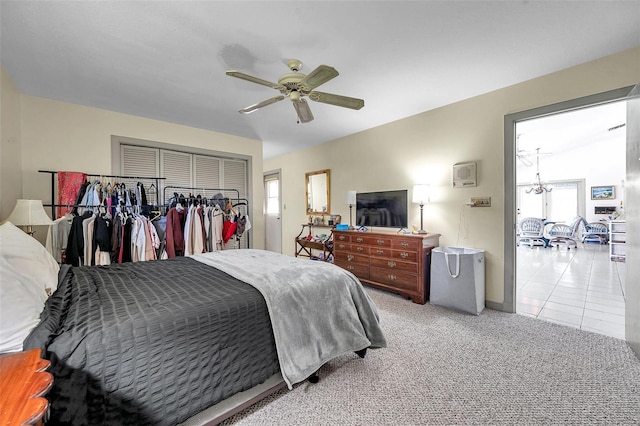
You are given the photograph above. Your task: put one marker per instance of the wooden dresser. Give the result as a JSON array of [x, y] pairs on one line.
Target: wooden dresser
[[396, 262], [23, 382]]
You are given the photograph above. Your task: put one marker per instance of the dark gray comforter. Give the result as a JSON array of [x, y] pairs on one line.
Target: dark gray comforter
[[151, 342]]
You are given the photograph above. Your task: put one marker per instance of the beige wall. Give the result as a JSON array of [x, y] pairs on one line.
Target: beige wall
[[10, 145], [423, 149], [63, 136]]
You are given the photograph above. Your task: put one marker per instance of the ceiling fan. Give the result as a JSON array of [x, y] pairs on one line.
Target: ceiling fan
[[523, 155], [295, 86]]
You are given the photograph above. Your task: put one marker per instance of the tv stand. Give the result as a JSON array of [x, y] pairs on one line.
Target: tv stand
[[400, 263]]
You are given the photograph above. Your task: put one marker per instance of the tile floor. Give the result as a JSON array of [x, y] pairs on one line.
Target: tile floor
[[579, 287]]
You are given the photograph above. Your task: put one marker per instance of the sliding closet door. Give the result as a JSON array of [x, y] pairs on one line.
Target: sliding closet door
[[177, 168], [207, 173], [190, 170], [142, 161]]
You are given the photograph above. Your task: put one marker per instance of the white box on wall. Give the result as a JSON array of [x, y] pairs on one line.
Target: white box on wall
[[464, 175]]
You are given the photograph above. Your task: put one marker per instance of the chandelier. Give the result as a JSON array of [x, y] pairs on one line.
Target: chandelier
[[538, 187]]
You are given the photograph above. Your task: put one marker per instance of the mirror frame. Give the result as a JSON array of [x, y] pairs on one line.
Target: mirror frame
[[307, 182]]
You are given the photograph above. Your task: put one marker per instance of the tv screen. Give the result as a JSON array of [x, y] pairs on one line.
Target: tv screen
[[385, 209]]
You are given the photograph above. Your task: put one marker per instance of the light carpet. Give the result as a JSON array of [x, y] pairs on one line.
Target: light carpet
[[442, 367]]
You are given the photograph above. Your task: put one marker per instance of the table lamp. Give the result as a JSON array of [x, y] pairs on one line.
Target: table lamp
[[421, 196], [351, 201], [29, 213]]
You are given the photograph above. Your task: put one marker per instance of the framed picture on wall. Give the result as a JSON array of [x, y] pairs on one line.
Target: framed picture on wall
[[603, 192]]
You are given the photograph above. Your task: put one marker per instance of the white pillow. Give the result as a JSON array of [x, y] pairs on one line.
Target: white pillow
[[21, 302], [28, 256]]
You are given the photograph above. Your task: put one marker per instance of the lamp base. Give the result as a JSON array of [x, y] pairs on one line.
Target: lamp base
[[422, 231]]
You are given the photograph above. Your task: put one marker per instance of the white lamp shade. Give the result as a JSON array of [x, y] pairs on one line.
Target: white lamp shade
[[351, 197], [420, 193], [29, 212]]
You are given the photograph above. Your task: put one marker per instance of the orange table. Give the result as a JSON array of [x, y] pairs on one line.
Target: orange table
[[23, 382]]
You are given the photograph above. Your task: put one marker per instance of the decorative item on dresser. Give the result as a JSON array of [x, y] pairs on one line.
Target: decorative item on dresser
[[396, 262], [23, 382]]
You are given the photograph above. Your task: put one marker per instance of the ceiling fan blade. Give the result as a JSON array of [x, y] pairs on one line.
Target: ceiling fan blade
[[338, 100], [315, 78], [525, 161], [303, 110], [259, 105], [253, 79]]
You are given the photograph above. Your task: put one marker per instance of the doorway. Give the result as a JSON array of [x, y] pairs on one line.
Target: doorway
[[272, 209], [554, 283]]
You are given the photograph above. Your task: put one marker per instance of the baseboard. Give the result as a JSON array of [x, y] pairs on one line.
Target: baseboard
[[495, 306]]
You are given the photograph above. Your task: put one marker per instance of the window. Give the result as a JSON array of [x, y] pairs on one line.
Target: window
[[562, 204], [271, 194]]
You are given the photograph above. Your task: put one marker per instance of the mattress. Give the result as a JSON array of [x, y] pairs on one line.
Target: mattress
[[151, 342]]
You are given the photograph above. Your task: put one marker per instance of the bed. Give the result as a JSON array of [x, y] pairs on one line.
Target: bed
[[162, 342]]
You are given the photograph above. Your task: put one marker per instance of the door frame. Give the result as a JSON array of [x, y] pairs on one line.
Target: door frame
[[510, 224]]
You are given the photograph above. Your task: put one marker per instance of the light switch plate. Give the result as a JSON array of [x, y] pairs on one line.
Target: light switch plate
[[480, 201]]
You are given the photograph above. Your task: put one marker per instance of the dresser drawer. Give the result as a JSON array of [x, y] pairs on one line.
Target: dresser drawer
[[358, 269], [396, 279], [372, 240], [406, 244], [406, 255], [340, 237], [341, 246], [380, 252], [352, 248], [393, 264], [360, 249], [350, 257]]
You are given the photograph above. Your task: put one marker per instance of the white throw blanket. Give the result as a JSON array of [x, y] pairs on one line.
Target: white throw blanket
[[318, 311]]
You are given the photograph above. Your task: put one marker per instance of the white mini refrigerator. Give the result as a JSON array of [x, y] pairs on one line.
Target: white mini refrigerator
[[457, 279]]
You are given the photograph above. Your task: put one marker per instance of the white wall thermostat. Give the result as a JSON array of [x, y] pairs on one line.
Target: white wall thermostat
[[464, 175]]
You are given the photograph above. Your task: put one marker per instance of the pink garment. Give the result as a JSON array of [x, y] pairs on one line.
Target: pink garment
[[69, 184]]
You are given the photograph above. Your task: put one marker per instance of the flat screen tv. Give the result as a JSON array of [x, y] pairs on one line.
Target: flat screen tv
[[385, 209]]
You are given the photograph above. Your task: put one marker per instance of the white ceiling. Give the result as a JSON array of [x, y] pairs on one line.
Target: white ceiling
[[167, 60]]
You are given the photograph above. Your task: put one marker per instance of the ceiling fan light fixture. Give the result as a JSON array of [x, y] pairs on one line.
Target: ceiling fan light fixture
[[538, 187], [294, 95]]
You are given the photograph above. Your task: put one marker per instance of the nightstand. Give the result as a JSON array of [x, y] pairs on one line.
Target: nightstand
[[23, 382]]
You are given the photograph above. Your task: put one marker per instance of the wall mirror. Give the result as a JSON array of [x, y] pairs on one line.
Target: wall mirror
[[318, 192]]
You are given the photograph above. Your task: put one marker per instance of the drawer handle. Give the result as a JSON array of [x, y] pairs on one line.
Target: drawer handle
[[404, 244], [404, 255], [380, 251], [342, 238], [380, 242], [392, 277], [350, 267], [350, 257], [359, 239], [360, 249], [391, 264], [342, 246]]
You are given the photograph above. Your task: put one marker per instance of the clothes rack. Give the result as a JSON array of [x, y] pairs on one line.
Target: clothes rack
[[128, 180], [239, 204]]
